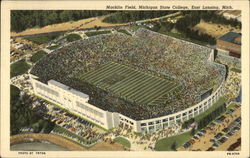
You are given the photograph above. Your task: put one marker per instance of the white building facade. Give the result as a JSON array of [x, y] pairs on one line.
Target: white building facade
[[77, 102]]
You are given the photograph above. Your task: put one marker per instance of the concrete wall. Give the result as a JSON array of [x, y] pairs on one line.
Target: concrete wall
[[231, 47], [211, 56], [106, 119], [73, 102], [155, 124], [224, 56]]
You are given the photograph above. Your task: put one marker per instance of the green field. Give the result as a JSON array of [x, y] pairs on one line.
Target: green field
[[73, 37], [166, 143], [38, 55], [18, 68], [94, 33], [236, 70], [124, 31], [53, 47], [14, 93], [232, 105], [42, 39], [123, 141], [130, 84]]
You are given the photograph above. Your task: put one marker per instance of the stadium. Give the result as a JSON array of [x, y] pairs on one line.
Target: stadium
[[147, 81]]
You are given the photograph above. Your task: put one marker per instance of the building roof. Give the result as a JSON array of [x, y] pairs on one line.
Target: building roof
[[230, 37], [230, 12], [233, 12], [67, 88]]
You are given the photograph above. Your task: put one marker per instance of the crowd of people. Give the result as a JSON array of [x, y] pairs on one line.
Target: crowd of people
[[233, 85], [147, 51]]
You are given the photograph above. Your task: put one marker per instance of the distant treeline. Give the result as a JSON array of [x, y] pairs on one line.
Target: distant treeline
[[190, 19], [212, 16], [24, 19], [22, 116], [131, 16]]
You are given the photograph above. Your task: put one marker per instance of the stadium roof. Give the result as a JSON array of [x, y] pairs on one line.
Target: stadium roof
[[230, 37]]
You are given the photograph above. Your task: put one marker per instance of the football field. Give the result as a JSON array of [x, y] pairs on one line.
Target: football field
[[131, 84]]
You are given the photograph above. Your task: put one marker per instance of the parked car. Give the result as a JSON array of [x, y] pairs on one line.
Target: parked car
[[223, 139], [192, 141], [187, 144], [217, 136], [238, 119], [196, 137], [226, 129], [203, 131], [211, 148], [236, 128], [229, 134], [212, 124], [215, 144], [200, 134], [212, 140]]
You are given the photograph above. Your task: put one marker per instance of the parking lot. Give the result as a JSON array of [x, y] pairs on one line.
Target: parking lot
[[218, 135]]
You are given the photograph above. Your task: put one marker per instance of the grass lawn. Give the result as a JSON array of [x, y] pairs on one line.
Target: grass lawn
[[73, 37], [232, 105], [52, 47], [38, 55], [123, 141], [136, 27], [166, 143], [43, 38], [236, 70], [94, 33], [18, 68], [14, 92], [124, 31]]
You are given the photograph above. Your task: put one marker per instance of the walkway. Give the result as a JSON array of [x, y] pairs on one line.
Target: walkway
[[55, 139]]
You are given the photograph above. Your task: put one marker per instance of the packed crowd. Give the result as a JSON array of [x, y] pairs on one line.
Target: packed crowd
[[164, 56], [233, 85]]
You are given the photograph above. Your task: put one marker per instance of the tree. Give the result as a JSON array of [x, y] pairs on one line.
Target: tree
[[21, 114], [23, 19], [173, 146], [193, 131], [187, 123], [64, 16], [210, 117]]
